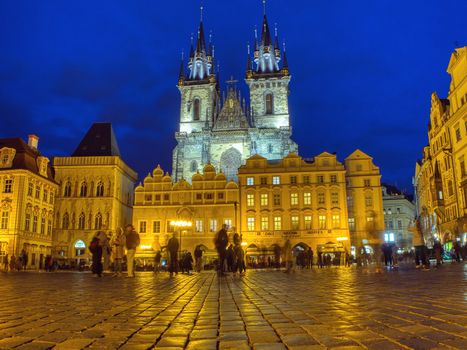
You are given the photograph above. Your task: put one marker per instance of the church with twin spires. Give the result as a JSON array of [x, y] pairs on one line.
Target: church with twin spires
[[221, 128]]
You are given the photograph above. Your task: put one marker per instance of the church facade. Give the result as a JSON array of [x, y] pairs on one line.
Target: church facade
[[225, 131]]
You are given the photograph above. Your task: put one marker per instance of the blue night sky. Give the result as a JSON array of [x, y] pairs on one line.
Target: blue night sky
[[362, 71]]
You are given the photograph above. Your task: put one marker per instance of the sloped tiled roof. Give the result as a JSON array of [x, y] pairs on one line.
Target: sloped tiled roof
[[99, 141]]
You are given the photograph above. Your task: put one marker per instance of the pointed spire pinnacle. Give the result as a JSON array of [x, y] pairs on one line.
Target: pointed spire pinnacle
[[181, 75], [201, 11], [265, 34], [264, 7], [249, 70], [285, 63]]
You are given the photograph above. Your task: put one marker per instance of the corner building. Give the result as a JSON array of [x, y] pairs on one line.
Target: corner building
[[27, 198], [224, 131], [303, 200], [95, 193], [440, 179]]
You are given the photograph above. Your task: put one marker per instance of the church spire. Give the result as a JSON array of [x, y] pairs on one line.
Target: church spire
[[201, 58], [249, 70], [181, 74]]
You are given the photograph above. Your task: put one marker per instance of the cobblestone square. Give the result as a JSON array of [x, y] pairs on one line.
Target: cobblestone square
[[334, 308]]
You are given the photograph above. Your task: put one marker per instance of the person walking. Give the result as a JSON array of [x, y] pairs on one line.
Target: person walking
[[188, 263], [457, 251], [13, 263], [5, 263], [198, 258], [230, 258], [24, 259], [118, 250], [106, 248], [438, 249], [387, 252], [239, 259], [157, 261], [96, 250], [288, 256], [320, 260], [172, 247], [419, 244], [221, 242], [309, 257], [132, 242]]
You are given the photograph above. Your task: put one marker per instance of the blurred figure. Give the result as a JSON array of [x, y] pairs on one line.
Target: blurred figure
[[106, 248], [13, 263], [310, 258], [96, 250], [230, 257], [132, 242], [118, 244], [187, 263], [288, 257], [172, 247], [198, 258], [456, 247], [221, 241], [157, 261], [5, 263], [24, 259], [438, 249]]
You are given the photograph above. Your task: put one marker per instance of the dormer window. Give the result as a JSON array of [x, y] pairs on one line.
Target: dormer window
[[6, 157], [196, 109], [269, 101], [42, 163]]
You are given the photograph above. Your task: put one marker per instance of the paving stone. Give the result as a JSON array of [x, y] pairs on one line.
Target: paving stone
[[203, 344]]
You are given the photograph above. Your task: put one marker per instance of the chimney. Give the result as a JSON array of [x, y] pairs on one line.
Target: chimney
[[33, 141]]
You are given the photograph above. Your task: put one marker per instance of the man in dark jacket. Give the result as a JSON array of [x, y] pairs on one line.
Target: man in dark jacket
[[172, 247], [221, 242], [132, 242]]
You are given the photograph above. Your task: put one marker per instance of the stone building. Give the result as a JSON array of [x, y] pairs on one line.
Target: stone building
[[296, 199], [364, 201], [208, 202], [27, 200], [399, 216], [440, 179], [96, 192], [225, 131]]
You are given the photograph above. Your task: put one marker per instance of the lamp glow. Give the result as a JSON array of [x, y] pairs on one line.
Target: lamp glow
[[342, 239]]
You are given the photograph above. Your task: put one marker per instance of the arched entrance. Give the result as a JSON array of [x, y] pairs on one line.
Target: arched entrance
[[231, 160]]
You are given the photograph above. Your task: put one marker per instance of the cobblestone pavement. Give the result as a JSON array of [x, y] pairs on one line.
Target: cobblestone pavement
[[332, 308]]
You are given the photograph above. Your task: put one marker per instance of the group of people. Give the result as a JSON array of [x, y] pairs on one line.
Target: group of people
[[231, 257], [104, 248], [15, 263]]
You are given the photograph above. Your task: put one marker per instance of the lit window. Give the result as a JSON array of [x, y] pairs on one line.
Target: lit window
[[352, 224], [276, 180], [264, 223], [307, 220], [250, 224], [294, 222], [307, 198], [277, 223], [250, 200], [264, 199], [322, 221], [142, 227], [228, 223], [213, 225], [369, 219], [336, 221], [294, 199], [389, 237], [250, 181], [199, 225], [156, 227], [4, 223]]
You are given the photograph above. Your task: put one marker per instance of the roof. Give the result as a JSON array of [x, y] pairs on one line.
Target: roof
[[99, 141], [25, 157]]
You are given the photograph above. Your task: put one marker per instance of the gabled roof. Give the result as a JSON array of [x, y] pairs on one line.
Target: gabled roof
[[25, 157], [99, 141], [358, 154]]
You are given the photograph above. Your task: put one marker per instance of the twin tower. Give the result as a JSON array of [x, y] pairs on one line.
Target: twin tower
[[220, 128]]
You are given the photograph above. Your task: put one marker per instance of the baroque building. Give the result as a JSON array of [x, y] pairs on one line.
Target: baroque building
[[95, 192], [440, 178], [27, 200], [302, 200], [224, 132], [399, 216], [208, 202]]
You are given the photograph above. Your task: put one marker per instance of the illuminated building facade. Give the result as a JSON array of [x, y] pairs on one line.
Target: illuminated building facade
[[225, 131], [27, 199], [208, 202], [440, 179], [399, 216], [95, 193], [304, 201]]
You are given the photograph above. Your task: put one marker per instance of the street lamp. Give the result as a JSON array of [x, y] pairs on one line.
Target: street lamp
[[181, 224]]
